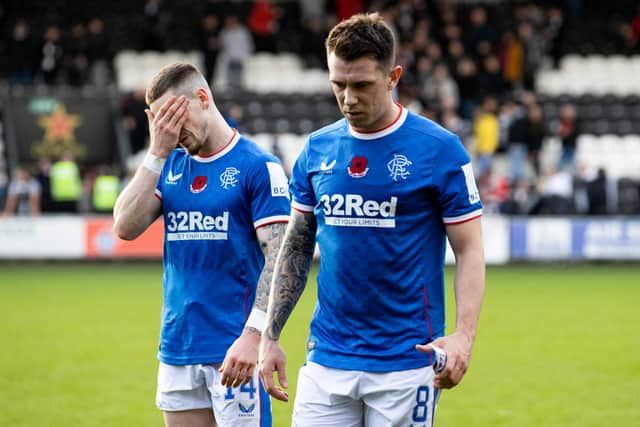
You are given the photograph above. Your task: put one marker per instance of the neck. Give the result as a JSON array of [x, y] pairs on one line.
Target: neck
[[390, 116], [219, 136]]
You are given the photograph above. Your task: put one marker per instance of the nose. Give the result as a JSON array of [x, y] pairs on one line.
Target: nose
[[350, 97]]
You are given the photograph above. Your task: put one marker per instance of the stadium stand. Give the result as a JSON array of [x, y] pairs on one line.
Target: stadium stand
[[549, 54]]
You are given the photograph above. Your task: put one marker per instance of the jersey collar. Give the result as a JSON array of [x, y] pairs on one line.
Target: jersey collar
[[387, 130], [224, 150]]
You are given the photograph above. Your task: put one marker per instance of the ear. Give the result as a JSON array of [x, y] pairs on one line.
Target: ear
[[394, 76], [203, 98]]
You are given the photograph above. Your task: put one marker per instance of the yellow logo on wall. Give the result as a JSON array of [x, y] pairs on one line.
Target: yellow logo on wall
[[59, 134]]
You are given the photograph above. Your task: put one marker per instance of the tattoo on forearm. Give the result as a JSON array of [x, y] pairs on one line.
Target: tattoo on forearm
[[270, 247], [291, 272]]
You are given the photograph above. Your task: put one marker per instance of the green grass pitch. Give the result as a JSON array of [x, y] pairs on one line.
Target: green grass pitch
[[557, 346]]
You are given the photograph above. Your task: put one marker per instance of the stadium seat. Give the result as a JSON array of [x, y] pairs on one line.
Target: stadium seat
[[289, 146], [264, 140]]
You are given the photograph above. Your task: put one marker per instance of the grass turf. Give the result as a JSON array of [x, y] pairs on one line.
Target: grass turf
[[556, 347]]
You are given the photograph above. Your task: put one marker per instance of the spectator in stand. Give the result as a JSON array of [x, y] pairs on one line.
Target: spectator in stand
[[312, 47], [451, 120], [98, 52], [209, 41], [597, 193], [440, 88], [526, 133], [517, 141], [23, 195], [466, 77], [568, 129], [21, 50], [42, 176], [523, 198], [512, 59], [490, 79], [533, 53], [556, 189], [51, 55], [76, 61], [554, 34], [534, 135], [455, 53], [312, 9], [494, 192], [105, 190], [486, 135], [344, 9], [480, 33], [154, 27], [590, 189], [263, 23], [507, 113], [134, 120], [237, 45], [633, 35], [66, 184]]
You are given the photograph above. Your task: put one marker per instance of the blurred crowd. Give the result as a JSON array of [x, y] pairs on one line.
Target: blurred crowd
[[469, 65]]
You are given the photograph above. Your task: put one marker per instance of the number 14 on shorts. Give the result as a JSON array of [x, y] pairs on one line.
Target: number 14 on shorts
[[244, 388]]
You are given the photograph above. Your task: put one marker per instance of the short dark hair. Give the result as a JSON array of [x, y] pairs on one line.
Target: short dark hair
[[171, 76], [363, 35]]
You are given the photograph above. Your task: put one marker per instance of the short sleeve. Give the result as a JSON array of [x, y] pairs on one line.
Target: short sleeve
[[458, 193], [270, 201], [304, 198]]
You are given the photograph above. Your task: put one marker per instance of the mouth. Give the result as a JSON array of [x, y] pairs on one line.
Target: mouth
[[352, 114]]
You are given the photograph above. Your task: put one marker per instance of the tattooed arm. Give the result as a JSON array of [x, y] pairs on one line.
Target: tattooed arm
[[289, 280], [241, 358], [270, 237]]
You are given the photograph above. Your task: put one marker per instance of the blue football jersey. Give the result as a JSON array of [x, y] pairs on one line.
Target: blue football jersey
[[212, 259], [381, 200]]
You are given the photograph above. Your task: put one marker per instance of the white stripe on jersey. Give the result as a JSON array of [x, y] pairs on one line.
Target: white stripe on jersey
[[462, 218], [302, 208], [232, 143], [270, 220], [382, 132]]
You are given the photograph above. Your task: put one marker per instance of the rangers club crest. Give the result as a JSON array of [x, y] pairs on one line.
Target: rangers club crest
[[199, 184], [398, 167], [228, 177], [358, 167]]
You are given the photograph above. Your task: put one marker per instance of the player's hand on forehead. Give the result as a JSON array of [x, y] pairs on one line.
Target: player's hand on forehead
[[165, 125], [168, 107]]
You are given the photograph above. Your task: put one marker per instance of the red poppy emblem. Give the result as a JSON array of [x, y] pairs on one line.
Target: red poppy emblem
[[358, 167], [199, 184]]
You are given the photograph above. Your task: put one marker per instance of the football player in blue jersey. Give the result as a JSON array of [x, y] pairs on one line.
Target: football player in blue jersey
[[379, 191], [225, 204]]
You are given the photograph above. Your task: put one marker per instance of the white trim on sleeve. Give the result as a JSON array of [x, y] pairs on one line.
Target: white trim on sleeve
[[270, 220], [462, 218], [300, 207]]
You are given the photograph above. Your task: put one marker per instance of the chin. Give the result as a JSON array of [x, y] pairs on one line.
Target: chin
[[360, 125]]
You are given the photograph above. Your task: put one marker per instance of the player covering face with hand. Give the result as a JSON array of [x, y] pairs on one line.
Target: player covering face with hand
[[379, 191], [224, 202]]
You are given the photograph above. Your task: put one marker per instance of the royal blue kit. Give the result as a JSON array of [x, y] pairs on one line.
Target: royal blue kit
[[211, 208], [382, 201]]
